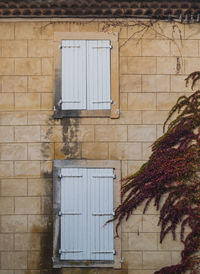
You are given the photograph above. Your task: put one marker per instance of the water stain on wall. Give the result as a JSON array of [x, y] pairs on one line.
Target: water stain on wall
[[71, 147], [66, 131]]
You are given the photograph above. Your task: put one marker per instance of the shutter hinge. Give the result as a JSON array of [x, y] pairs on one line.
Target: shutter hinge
[[104, 252], [107, 47], [60, 213], [102, 102], [60, 176], [60, 46], [69, 251], [73, 102], [103, 214], [70, 176], [104, 176]]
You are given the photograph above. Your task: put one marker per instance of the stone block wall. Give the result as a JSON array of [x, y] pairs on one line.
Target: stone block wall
[[154, 61]]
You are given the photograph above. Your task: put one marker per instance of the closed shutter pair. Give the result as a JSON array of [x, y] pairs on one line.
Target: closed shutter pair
[[86, 75], [86, 205]]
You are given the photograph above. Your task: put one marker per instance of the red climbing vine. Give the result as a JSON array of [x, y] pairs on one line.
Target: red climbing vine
[[172, 171]]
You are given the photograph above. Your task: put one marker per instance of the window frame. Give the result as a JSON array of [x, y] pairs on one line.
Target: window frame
[[114, 38], [58, 165]]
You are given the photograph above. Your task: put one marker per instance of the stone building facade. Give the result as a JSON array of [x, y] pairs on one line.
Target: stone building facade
[[155, 58]]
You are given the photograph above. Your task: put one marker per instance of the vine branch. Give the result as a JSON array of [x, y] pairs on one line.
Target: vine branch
[[173, 171]]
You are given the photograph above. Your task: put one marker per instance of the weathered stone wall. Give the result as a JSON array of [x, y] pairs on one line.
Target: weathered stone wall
[[153, 64]]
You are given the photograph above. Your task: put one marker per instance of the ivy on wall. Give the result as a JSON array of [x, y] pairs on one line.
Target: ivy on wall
[[172, 174]]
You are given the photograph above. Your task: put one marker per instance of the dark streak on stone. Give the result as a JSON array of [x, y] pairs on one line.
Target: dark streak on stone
[[71, 147], [46, 238]]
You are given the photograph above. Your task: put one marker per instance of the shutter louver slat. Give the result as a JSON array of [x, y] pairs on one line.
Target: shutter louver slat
[[73, 74]]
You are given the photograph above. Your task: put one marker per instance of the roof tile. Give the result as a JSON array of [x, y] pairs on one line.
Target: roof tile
[[99, 9]]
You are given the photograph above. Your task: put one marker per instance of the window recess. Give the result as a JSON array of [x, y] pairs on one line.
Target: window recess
[[83, 203], [86, 79]]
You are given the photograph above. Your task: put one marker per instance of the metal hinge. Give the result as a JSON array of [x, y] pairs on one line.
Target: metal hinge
[[103, 214], [102, 102], [72, 176], [106, 47], [68, 46], [69, 176], [104, 252], [72, 102], [104, 176], [60, 213], [70, 251]]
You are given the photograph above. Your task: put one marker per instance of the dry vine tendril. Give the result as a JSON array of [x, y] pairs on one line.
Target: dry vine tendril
[[172, 170]]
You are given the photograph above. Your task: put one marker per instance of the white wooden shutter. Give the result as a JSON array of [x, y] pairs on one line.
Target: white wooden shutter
[[73, 214], [73, 74], [98, 74], [86, 205], [100, 210]]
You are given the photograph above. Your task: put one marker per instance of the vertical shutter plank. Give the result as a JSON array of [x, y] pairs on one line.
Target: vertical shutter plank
[[89, 229], [85, 226], [103, 208], [73, 200], [102, 243], [110, 205], [74, 74], [98, 74]]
